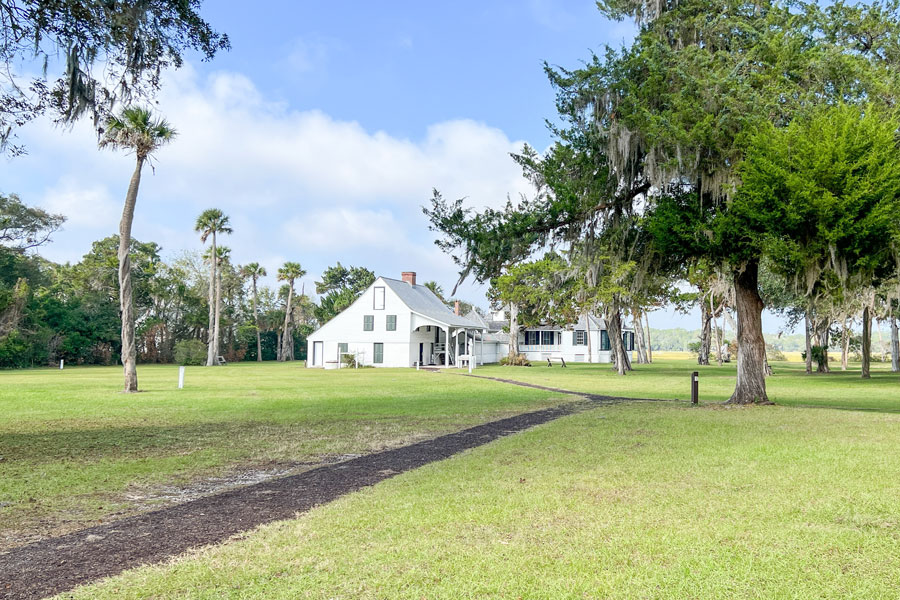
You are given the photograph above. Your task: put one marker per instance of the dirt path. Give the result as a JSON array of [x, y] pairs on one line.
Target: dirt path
[[58, 564]]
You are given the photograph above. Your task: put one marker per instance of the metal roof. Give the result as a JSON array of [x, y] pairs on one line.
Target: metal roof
[[422, 300], [597, 323]]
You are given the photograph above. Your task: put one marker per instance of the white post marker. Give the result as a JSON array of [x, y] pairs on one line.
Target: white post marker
[[180, 378], [470, 363], [61, 361]]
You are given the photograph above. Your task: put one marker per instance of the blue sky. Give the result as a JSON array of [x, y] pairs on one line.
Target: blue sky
[[325, 128]]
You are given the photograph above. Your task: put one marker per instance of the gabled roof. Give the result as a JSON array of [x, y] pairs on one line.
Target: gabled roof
[[422, 300], [473, 316], [489, 324], [596, 323]]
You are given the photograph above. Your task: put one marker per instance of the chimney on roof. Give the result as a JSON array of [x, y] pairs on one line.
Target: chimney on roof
[[456, 308], [409, 277]]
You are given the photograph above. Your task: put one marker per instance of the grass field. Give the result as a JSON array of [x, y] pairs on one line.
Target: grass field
[[74, 450], [627, 501]]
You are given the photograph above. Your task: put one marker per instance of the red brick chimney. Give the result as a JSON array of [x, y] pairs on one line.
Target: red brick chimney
[[409, 277], [456, 308]]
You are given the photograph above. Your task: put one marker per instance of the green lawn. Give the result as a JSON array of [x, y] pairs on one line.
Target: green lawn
[[629, 501], [74, 450], [789, 386]]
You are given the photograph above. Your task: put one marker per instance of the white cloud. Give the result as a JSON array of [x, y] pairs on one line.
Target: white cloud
[[297, 184], [88, 206], [240, 148]]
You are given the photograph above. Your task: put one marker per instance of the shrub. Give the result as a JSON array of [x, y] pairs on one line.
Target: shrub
[[190, 353], [818, 356], [518, 361], [350, 360], [694, 347]]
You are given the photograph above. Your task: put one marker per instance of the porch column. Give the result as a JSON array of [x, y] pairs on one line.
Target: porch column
[[446, 346], [481, 355]]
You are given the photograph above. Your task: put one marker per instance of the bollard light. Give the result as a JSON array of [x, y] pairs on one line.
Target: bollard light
[[695, 387]]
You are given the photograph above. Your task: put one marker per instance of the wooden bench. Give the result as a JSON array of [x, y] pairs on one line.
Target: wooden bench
[[464, 360], [550, 360]]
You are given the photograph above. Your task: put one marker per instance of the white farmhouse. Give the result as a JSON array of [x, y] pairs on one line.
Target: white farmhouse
[[395, 324]]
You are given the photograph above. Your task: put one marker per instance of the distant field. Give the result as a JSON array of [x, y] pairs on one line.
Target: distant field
[[670, 378], [676, 355], [74, 450], [655, 501]]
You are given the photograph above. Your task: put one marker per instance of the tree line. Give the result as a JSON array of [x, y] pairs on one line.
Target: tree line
[[187, 309]]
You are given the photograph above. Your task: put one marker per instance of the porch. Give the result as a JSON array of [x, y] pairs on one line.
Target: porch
[[442, 345]]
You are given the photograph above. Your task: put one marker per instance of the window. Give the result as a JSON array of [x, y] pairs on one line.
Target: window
[[428, 328], [391, 323], [579, 338], [604, 340], [369, 323], [342, 349], [532, 338], [548, 338], [378, 353], [628, 340], [378, 299]]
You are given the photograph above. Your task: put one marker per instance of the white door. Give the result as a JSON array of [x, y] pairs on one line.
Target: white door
[[318, 354]]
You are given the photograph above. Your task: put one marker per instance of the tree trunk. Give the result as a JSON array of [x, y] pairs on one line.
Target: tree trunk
[[806, 320], [211, 340], [640, 341], [587, 325], [256, 322], [513, 331], [614, 328], [218, 313], [649, 341], [287, 340], [720, 334], [278, 345], [845, 345], [705, 342], [822, 341], [866, 342], [126, 293], [895, 346], [751, 345]]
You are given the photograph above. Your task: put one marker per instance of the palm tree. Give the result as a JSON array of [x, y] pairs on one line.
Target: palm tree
[[223, 253], [137, 130], [253, 272], [290, 272], [212, 221]]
